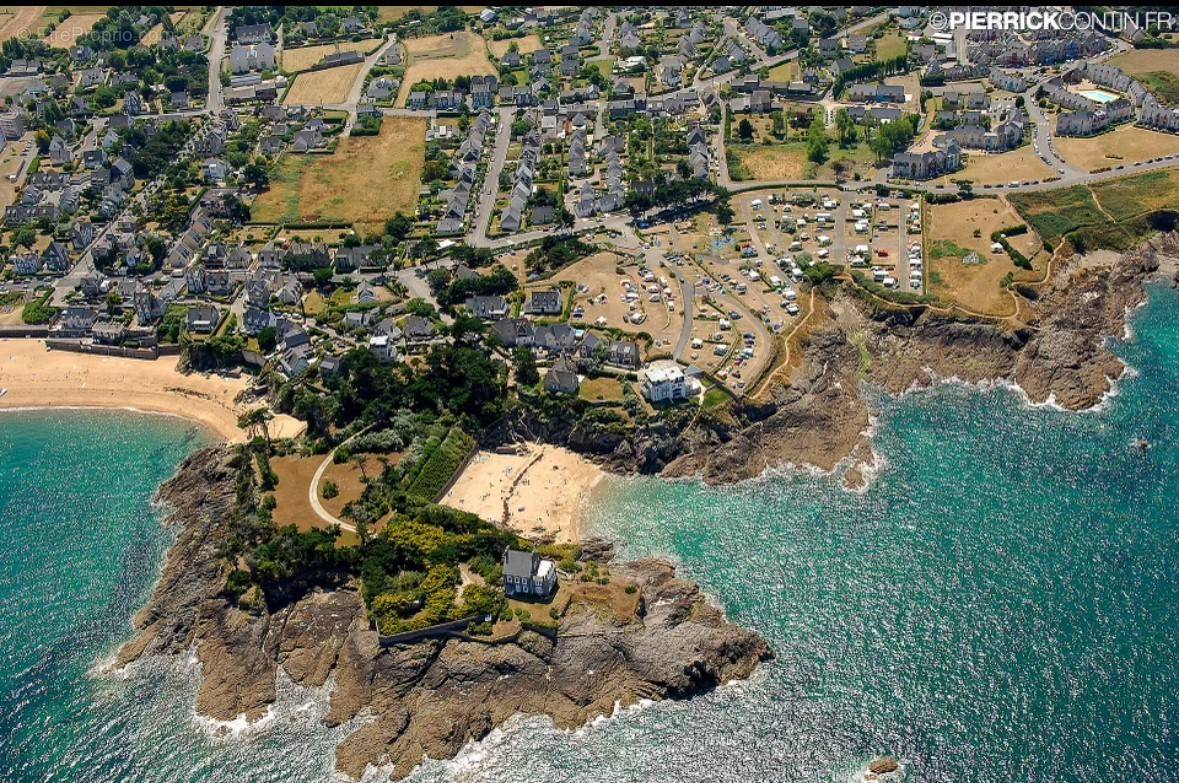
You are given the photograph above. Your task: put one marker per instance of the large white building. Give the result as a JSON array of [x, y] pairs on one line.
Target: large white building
[[664, 381], [243, 59]]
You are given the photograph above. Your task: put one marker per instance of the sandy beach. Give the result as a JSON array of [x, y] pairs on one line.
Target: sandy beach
[[542, 490], [34, 377]]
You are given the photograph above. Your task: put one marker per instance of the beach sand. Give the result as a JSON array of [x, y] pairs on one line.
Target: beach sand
[[34, 377], [544, 489]]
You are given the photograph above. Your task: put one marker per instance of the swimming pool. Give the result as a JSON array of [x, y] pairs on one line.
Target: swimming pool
[[1100, 96]]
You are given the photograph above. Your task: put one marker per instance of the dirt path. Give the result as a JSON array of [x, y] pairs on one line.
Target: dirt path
[[21, 22], [785, 363]]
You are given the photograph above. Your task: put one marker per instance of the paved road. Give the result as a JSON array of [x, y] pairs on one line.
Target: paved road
[[215, 101], [350, 106], [313, 488], [490, 192]]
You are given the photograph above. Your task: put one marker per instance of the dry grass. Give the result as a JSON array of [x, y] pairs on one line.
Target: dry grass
[[1022, 164], [444, 57], [391, 13], [10, 162], [529, 43], [292, 504], [786, 72], [67, 33], [18, 20], [1138, 61], [1126, 144], [305, 57], [773, 162], [317, 88], [975, 286], [364, 182], [349, 479]]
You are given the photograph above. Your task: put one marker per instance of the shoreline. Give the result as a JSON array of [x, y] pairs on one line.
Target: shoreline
[[35, 378]]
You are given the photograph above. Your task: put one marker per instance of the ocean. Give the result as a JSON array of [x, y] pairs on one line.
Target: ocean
[[1000, 604]]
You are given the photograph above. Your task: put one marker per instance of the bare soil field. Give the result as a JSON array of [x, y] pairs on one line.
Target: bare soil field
[[16, 20], [67, 33], [444, 56]]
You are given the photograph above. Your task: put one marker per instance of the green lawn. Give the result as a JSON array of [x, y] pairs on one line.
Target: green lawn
[[891, 45], [1139, 206], [1164, 84], [605, 67]]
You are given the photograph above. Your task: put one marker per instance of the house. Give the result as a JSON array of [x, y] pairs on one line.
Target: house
[[929, 164], [513, 332], [202, 319], [487, 307], [384, 348], [562, 378], [664, 381], [76, 321], [527, 573], [418, 331], [27, 263], [216, 170], [546, 302]]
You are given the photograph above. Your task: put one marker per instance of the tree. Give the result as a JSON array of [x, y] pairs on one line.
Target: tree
[[256, 175], [268, 339], [845, 128], [778, 124], [745, 129], [398, 226], [257, 421], [526, 372], [816, 141]]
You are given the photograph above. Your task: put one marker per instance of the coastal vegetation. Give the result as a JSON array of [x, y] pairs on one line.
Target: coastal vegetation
[[1111, 215]]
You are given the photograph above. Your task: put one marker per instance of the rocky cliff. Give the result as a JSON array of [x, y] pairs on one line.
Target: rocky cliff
[[1056, 349], [431, 697]]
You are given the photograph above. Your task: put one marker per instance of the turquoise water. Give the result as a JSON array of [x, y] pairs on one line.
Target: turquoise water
[[1101, 96], [999, 605]]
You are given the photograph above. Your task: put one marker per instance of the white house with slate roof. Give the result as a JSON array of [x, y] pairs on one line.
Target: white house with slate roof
[[527, 573]]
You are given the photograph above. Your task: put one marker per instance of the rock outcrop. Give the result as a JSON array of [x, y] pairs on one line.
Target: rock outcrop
[[1057, 350], [431, 697]]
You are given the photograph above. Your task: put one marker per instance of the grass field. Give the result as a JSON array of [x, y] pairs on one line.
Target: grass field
[[67, 33], [1158, 69], [1125, 144], [529, 43], [786, 72], [891, 45], [444, 57], [772, 161], [15, 21], [391, 13], [951, 233], [1164, 85], [1113, 215], [1127, 199], [316, 88], [364, 182], [304, 57], [1022, 164]]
